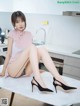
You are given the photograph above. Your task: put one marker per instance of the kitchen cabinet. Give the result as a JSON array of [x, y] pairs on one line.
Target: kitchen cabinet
[[71, 65], [56, 55], [58, 61]]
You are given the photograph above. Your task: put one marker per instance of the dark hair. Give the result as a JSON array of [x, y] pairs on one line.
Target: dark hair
[[17, 14]]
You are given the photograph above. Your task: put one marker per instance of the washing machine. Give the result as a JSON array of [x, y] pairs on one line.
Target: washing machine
[[3, 51]]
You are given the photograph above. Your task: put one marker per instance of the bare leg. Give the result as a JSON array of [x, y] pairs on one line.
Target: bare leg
[[49, 63], [28, 70], [35, 65], [16, 68]]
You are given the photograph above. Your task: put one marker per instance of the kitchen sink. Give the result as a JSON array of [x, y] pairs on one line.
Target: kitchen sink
[[76, 52], [37, 44]]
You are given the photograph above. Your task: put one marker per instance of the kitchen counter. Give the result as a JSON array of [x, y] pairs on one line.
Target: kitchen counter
[[62, 50], [59, 49], [57, 99], [71, 67]]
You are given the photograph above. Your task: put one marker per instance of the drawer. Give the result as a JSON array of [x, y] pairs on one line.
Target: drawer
[[57, 55], [71, 70], [75, 62]]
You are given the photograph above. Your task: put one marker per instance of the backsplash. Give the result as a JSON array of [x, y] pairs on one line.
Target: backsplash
[[60, 30]]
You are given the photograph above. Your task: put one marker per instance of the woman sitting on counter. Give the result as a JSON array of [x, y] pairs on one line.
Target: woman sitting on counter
[[23, 57]]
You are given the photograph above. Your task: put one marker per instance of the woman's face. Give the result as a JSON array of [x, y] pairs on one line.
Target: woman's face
[[20, 24]]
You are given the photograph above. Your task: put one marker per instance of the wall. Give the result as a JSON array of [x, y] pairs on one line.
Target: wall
[[5, 21], [65, 31], [6, 5], [60, 30], [40, 6], [45, 6]]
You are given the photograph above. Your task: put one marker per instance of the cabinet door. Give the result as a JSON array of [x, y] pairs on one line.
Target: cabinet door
[[71, 70], [72, 66], [75, 62], [57, 55]]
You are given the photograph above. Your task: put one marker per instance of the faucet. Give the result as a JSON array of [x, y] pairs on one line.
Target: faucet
[[42, 29]]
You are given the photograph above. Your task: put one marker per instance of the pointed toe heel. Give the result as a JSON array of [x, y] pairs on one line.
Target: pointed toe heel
[[40, 87], [63, 86]]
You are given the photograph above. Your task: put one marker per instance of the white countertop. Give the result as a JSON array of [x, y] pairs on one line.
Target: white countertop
[[59, 49], [58, 99], [62, 50]]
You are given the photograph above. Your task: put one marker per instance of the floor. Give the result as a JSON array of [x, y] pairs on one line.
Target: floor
[[20, 100]]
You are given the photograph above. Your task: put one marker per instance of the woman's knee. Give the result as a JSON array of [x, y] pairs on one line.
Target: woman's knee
[[27, 50], [33, 46], [33, 49], [41, 50]]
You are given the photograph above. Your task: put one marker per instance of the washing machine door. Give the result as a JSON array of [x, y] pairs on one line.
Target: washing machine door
[[2, 58]]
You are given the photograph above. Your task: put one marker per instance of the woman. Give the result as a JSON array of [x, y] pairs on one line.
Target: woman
[[22, 54]]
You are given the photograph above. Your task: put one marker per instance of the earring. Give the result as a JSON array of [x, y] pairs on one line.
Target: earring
[[15, 27]]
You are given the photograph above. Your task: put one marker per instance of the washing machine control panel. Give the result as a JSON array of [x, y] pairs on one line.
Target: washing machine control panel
[[3, 49]]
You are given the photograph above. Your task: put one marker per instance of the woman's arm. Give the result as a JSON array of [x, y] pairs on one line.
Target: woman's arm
[[8, 55]]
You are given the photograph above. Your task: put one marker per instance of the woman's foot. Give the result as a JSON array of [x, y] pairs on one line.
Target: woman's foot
[[40, 81], [65, 87], [61, 80], [40, 87]]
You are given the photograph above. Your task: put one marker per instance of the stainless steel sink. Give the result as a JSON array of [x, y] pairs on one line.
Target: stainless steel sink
[[37, 44], [76, 52]]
